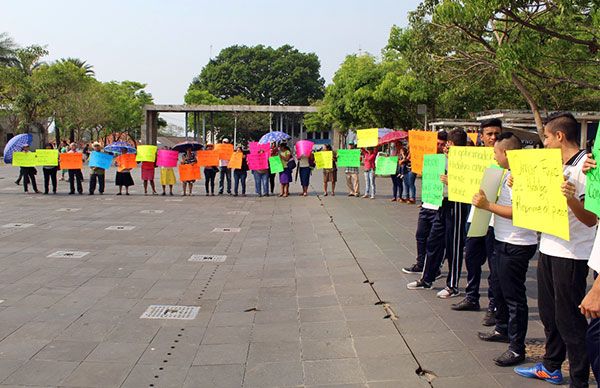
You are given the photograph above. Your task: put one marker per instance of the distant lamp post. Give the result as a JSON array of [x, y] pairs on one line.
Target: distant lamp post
[[422, 110]]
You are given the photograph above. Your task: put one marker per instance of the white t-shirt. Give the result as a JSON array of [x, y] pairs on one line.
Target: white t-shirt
[[504, 229], [582, 236], [429, 206]]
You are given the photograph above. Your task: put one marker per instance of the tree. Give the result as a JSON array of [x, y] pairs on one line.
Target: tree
[[262, 74], [126, 101], [7, 50], [89, 69]]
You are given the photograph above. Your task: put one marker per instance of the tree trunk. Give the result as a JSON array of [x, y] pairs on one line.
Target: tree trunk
[[532, 104]]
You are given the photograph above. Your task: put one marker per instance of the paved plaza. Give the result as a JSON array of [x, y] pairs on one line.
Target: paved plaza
[[310, 293]]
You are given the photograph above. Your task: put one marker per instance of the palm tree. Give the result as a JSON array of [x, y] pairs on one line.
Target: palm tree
[[7, 50], [80, 64]]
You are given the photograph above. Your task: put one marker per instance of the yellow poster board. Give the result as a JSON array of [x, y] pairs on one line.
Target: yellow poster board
[[324, 159], [466, 166], [24, 159], [146, 153], [367, 137], [538, 202], [46, 157]]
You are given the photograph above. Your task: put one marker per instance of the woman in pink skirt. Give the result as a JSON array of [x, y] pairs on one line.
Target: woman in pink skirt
[[148, 176]]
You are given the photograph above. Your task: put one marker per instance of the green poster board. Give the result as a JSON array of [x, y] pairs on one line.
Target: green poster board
[[386, 165], [432, 189], [275, 164], [348, 158], [592, 184]]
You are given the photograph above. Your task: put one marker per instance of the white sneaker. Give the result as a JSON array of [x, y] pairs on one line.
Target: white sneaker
[[448, 293]]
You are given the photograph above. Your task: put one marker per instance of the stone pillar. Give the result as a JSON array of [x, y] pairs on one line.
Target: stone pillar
[[150, 127]]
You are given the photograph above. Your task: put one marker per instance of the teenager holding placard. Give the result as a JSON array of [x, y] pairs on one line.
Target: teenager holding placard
[[368, 159], [480, 249], [562, 266], [210, 173], [397, 185], [305, 165], [409, 193], [285, 176], [97, 174], [448, 230], [330, 174], [240, 174], [75, 175], [50, 174], [513, 247], [123, 177]]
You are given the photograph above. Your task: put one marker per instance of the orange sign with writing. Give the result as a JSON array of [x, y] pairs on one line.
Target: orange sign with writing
[[71, 161], [126, 162], [208, 158], [224, 150], [421, 143], [189, 172], [236, 160]]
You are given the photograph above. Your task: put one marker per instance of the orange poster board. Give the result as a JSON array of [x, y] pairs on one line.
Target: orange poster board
[[72, 161], [208, 158], [236, 160], [473, 137], [224, 150], [189, 172], [126, 162], [421, 143]]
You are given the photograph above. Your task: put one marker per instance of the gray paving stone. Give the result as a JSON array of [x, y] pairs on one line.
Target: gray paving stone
[[275, 332], [144, 375], [274, 351], [126, 353], [227, 335], [278, 374], [324, 330], [221, 354], [322, 314], [327, 349], [20, 349], [226, 376], [41, 372], [342, 371], [60, 350], [98, 374]]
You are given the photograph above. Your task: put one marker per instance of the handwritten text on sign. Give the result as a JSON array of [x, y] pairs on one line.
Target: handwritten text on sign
[[538, 202], [421, 143], [466, 166]]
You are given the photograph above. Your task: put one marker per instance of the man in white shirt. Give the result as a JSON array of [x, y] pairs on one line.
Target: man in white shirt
[[562, 266], [513, 248]]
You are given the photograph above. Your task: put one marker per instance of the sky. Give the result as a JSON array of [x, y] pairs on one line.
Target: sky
[[166, 43]]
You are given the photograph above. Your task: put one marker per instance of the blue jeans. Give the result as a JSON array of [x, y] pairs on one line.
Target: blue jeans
[[370, 183], [410, 190], [261, 183], [239, 176]]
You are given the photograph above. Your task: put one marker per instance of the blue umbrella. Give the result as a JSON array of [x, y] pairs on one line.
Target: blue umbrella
[[16, 144], [118, 147], [273, 137]]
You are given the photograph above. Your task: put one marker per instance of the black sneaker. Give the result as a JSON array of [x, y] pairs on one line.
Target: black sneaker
[[418, 285], [489, 319], [509, 358], [494, 336], [415, 268], [466, 305]]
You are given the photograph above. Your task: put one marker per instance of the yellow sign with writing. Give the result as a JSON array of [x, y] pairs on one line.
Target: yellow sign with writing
[[24, 159], [367, 137], [466, 166], [324, 159], [146, 153], [46, 157], [538, 202]]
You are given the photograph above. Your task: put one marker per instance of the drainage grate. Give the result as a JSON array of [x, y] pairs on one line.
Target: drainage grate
[[120, 227], [238, 212], [226, 230], [208, 258], [17, 225], [68, 209], [159, 311], [68, 254], [152, 211]]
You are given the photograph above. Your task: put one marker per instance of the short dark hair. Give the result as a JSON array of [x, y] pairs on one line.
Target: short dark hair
[[443, 135], [512, 141], [458, 137], [495, 122], [566, 123]]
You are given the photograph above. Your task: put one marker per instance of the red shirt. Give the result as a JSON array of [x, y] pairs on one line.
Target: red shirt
[[369, 160]]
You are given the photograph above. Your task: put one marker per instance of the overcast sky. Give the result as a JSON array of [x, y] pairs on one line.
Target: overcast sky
[[166, 43]]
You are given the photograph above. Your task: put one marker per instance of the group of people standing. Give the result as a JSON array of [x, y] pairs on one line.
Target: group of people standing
[[562, 268]]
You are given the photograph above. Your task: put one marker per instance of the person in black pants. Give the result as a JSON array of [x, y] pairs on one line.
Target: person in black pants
[[239, 175], [29, 175], [75, 174], [50, 174], [210, 174], [97, 174]]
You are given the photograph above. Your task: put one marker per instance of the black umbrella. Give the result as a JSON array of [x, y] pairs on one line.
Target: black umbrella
[[182, 147]]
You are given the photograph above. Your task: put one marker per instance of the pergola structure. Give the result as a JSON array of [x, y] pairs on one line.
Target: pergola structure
[[150, 124]]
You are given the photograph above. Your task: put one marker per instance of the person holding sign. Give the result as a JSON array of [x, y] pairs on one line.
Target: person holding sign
[[224, 173], [448, 230], [148, 176], [75, 174], [210, 173], [50, 173], [397, 185], [167, 175], [97, 174], [29, 173], [409, 193], [562, 266], [480, 249], [285, 177], [305, 166], [188, 158], [368, 159], [352, 180], [123, 177], [330, 174], [513, 247], [240, 174]]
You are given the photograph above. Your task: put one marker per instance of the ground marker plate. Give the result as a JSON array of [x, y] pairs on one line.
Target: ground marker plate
[[68, 209], [152, 211], [158, 311], [226, 230], [208, 258], [238, 212], [120, 227], [68, 254], [17, 225]]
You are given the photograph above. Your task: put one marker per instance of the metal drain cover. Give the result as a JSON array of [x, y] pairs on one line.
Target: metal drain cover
[[159, 311], [208, 258], [68, 209], [226, 230], [17, 225], [238, 212], [68, 254], [120, 227], [152, 211]]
